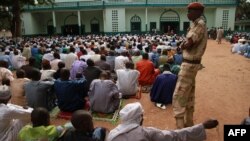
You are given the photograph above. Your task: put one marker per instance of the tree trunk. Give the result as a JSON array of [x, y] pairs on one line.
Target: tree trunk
[[16, 21]]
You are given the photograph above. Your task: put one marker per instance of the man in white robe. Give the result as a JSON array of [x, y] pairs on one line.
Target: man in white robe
[[12, 117], [70, 58], [131, 128], [127, 80]]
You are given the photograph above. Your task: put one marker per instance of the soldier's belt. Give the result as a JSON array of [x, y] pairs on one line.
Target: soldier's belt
[[192, 61]]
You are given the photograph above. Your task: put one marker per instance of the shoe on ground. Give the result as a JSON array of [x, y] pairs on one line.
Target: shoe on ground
[[159, 105], [163, 107]]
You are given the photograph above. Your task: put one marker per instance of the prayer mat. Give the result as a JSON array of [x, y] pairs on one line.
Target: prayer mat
[[65, 115], [137, 96], [57, 113], [54, 112], [112, 117]]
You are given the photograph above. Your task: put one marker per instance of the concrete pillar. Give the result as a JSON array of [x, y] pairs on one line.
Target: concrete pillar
[[54, 21], [79, 21], [146, 19]]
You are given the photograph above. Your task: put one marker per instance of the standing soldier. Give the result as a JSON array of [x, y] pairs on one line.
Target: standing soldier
[[193, 49]]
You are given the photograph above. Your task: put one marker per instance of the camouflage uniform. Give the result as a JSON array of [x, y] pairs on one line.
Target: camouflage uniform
[[183, 98]]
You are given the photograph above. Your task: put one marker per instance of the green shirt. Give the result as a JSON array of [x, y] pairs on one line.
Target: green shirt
[[29, 133]]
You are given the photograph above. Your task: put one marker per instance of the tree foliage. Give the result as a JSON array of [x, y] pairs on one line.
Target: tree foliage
[[243, 9], [14, 13]]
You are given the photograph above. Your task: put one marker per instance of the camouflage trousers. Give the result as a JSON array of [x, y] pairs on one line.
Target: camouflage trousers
[[184, 94]]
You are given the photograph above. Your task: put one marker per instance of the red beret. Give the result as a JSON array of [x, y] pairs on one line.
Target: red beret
[[196, 5]]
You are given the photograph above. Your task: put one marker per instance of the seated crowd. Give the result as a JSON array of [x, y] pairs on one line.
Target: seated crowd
[[240, 44], [84, 73], [66, 71]]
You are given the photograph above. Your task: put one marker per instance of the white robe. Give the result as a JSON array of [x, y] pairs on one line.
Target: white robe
[[139, 133], [12, 119], [69, 59], [127, 81], [120, 62]]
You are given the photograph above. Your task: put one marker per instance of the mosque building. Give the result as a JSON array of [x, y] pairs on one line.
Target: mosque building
[[122, 16]]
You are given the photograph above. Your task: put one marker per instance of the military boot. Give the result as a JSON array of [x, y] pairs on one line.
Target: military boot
[[179, 123]]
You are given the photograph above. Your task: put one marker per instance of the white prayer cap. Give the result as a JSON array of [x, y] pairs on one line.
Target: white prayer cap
[[242, 40], [132, 113], [7, 50], [4, 92]]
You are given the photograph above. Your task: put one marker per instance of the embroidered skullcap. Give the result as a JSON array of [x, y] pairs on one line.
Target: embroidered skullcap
[[196, 5], [4, 92], [131, 113]]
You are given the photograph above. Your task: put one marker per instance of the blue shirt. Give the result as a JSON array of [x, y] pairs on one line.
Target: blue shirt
[[178, 59], [34, 51], [163, 88], [6, 58], [70, 94]]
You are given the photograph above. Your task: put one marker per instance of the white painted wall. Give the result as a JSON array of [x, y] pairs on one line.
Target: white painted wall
[[130, 12], [154, 16], [107, 20], [28, 23], [183, 17], [232, 14], [210, 16], [231, 17], [41, 20], [87, 16], [60, 17], [36, 22]]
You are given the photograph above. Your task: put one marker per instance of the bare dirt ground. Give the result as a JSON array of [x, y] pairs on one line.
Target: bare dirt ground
[[221, 93]]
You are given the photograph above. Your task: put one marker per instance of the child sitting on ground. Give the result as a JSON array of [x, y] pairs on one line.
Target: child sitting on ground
[[40, 128], [83, 128]]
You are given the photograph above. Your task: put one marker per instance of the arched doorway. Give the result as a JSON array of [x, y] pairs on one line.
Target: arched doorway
[[94, 25], [135, 24], [170, 21], [70, 28], [50, 27]]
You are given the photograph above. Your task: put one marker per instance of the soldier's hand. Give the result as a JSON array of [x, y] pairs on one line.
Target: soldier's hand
[[211, 123], [188, 43], [182, 44]]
